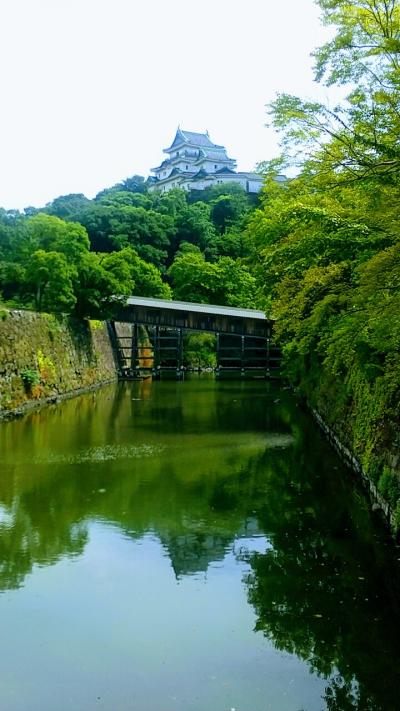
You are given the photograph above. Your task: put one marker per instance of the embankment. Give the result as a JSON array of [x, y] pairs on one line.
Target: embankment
[[364, 427], [46, 357]]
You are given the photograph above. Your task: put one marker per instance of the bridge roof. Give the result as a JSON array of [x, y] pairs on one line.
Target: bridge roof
[[197, 308]]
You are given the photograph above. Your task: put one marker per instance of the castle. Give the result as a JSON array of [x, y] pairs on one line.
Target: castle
[[194, 162]]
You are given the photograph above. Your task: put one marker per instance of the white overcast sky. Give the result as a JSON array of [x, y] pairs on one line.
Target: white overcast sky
[[93, 90]]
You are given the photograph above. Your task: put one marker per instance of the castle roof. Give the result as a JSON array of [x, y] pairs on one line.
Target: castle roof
[[216, 154], [225, 170], [201, 174], [202, 140]]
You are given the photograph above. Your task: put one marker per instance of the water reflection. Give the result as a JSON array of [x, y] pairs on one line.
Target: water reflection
[[207, 468]]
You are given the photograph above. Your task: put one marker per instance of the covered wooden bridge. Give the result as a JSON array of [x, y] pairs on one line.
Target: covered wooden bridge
[[154, 342]]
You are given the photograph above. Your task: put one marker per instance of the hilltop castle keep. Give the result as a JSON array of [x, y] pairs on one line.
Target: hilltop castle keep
[[194, 162]]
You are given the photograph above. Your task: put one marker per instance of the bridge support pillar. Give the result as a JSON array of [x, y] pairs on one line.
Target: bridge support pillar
[[135, 349], [180, 354], [156, 352], [217, 351]]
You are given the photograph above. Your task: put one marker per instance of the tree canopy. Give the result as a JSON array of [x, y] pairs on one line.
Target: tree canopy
[[126, 241], [325, 245]]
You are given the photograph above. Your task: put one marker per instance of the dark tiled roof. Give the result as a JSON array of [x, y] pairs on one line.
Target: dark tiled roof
[[198, 139], [201, 174], [252, 175], [184, 174], [175, 171], [225, 170], [164, 164], [217, 154], [179, 138]]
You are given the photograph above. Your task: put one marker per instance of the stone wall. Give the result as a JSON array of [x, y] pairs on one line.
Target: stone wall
[[45, 357], [378, 501]]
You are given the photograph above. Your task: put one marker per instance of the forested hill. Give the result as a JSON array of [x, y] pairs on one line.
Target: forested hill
[[75, 255]]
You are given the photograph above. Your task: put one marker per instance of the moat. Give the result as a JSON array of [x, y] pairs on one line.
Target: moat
[[190, 546]]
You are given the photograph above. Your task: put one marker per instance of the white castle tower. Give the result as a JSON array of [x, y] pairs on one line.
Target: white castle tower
[[194, 162]]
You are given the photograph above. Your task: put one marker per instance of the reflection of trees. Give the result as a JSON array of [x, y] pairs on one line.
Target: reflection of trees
[[326, 591], [343, 695], [196, 518], [25, 544], [196, 506]]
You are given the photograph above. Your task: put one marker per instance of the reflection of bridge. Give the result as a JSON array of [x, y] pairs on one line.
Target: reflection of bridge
[[154, 341]]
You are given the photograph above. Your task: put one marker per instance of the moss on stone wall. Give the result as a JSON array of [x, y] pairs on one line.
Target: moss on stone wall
[[362, 418], [43, 356]]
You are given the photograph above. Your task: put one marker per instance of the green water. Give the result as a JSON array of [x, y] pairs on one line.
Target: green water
[[189, 546]]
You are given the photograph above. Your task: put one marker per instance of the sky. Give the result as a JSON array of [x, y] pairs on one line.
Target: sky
[[93, 90]]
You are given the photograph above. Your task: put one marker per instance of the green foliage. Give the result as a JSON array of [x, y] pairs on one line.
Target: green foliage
[[223, 282], [95, 324], [397, 516], [49, 280], [147, 279], [228, 210], [134, 184], [357, 140], [46, 263], [30, 377], [67, 207], [114, 222], [85, 256], [194, 226], [200, 350], [46, 367], [102, 282], [326, 246], [53, 234], [389, 486]]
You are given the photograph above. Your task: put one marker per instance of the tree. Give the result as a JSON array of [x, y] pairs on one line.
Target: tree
[[147, 279], [67, 207], [49, 278], [135, 184], [357, 140], [213, 192], [50, 233], [113, 224], [235, 285], [224, 282], [231, 244], [193, 279], [102, 283], [326, 244], [199, 350], [228, 210], [193, 225]]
